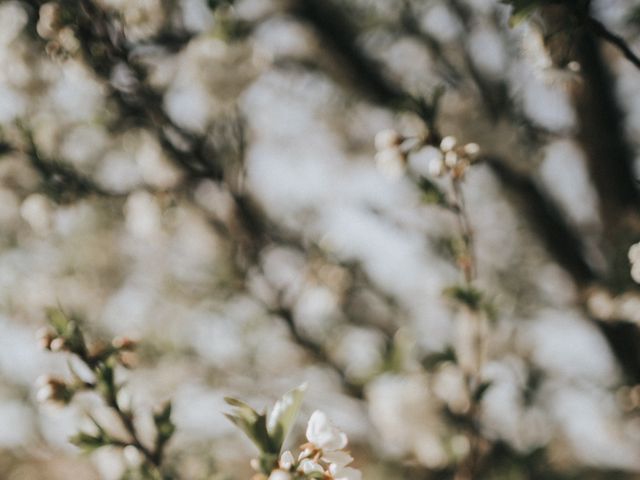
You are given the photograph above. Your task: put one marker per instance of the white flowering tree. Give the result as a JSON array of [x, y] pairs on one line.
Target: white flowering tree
[[419, 210]]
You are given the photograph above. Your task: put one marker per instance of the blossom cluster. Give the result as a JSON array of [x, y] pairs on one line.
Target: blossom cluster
[[394, 150], [322, 457]]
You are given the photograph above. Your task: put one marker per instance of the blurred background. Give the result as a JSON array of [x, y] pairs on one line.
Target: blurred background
[[201, 177]]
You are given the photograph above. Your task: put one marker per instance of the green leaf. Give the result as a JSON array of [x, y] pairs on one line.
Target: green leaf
[[521, 10], [252, 423], [68, 329], [431, 193], [283, 415], [86, 442], [58, 320], [465, 295], [164, 426], [89, 442]]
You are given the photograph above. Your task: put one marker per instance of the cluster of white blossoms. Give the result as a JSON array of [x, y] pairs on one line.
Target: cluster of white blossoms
[[453, 159], [394, 149], [634, 259], [322, 457]]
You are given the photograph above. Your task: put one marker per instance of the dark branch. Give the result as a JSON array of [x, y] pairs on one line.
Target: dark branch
[[616, 40]]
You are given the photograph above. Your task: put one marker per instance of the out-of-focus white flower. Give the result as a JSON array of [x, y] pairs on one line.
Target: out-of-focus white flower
[[391, 162], [387, 139], [143, 18], [601, 304], [634, 253], [143, 215], [13, 18], [132, 456], [36, 210], [634, 258], [48, 21], [323, 434]]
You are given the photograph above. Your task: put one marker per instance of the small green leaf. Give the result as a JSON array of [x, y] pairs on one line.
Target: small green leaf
[[253, 424], [431, 193], [68, 329], [163, 423], [465, 295], [521, 10], [58, 321]]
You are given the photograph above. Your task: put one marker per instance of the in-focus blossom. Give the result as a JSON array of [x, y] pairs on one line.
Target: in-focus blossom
[[323, 434]]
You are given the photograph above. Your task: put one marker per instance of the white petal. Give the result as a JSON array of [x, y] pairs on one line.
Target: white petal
[[345, 473], [309, 466], [322, 433], [338, 458]]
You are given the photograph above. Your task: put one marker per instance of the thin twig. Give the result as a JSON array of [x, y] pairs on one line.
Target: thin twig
[[617, 41]]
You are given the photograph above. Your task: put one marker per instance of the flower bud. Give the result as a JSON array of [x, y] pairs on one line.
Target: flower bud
[[58, 344], [132, 456], [634, 253], [472, 150], [387, 139], [124, 343], [451, 159], [286, 460], [53, 390], [48, 20], [448, 143]]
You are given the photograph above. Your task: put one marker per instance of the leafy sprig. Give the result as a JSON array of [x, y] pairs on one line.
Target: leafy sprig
[[65, 335]]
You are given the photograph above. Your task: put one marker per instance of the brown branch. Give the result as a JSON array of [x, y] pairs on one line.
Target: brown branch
[[598, 28]]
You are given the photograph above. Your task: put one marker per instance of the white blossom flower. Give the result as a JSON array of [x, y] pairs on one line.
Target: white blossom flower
[[323, 434]]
